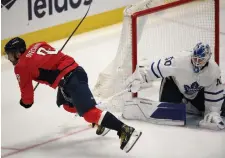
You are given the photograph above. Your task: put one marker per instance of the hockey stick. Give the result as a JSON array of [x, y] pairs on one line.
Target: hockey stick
[[120, 93], [113, 96], [70, 36], [110, 98]]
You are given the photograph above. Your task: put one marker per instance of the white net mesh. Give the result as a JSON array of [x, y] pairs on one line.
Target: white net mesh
[[177, 29], [169, 32]]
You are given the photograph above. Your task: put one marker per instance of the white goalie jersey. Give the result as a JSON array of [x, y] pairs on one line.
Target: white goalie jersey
[[189, 82]]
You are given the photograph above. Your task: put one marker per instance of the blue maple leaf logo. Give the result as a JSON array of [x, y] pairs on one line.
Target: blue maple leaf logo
[[193, 88]]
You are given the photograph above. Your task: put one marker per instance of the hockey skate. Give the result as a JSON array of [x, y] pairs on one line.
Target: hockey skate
[[101, 130], [129, 136]]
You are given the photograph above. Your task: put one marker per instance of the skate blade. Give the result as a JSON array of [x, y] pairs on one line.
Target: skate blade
[[127, 148], [106, 131]]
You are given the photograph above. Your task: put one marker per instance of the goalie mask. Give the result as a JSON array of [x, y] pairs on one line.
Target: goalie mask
[[200, 57]]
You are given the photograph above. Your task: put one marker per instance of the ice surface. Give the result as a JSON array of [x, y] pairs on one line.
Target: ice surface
[[46, 131]]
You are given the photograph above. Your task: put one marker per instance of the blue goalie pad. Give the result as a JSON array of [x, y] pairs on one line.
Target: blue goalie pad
[[170, 111]]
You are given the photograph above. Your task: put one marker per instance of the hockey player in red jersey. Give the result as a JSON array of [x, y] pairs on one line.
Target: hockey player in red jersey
[[44, 64]]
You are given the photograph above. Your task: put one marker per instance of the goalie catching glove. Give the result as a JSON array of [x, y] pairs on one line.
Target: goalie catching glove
[[212, 121], [138, 80]]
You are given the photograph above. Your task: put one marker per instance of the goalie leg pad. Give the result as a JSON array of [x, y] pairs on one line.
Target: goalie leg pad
[[170, 111], [155, 112]]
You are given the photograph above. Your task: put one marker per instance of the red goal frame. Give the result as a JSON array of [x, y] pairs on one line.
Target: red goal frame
[[163, 7]]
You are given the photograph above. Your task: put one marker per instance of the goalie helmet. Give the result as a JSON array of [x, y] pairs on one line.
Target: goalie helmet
[[200, 56], [15, 45]]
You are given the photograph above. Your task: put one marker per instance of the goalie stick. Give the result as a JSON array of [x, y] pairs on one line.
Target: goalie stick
[[113, 96], [71, 34]]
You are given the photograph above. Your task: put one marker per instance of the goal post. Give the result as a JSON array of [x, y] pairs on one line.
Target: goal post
[[168, 5], [154, 29]]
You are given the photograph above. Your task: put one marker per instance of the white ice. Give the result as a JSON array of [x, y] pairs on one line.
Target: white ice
[[46, 131]]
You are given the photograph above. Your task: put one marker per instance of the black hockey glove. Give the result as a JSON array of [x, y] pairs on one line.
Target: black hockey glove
[[25, 105]]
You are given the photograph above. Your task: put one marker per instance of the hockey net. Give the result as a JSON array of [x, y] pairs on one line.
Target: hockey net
[[154, 29]]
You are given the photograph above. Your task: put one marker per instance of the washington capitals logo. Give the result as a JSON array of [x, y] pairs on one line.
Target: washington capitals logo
[[193, 88], [7, 3]]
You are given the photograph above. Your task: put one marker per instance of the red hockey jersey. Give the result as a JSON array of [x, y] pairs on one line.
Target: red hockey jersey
[[44, 64]]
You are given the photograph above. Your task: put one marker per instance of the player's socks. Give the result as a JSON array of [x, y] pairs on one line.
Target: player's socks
[[110, 121]]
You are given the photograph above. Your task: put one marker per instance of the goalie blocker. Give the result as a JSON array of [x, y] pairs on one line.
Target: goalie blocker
[[155, 112]]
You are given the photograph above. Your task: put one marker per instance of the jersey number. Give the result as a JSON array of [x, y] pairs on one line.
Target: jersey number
[[43, 51], [218, 81], [168, 61]]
